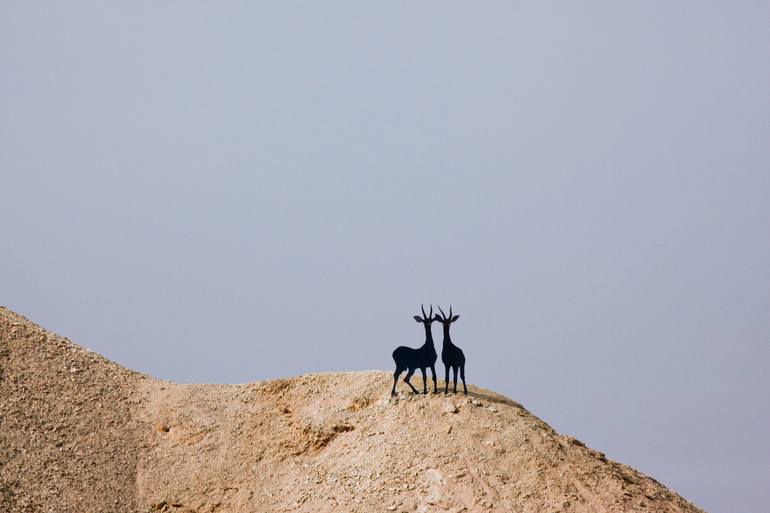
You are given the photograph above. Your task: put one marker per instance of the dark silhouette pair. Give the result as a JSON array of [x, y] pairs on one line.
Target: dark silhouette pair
[[409, 359]]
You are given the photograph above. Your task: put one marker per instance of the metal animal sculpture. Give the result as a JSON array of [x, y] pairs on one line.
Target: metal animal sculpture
[[451, 355], [410, 359]]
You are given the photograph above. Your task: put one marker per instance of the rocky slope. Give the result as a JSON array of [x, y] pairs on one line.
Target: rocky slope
[[80, 433]]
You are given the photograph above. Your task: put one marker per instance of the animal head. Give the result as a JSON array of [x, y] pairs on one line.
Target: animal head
[[426, 319], [445, 319]]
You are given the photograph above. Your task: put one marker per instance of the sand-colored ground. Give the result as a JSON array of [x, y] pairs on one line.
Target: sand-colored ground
[[79, 433]]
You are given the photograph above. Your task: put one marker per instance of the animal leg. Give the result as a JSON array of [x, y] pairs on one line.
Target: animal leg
[[396, 374], [454, 377], [446, 380], [462, 375], [433, 373], [406, 380], [424, 381]]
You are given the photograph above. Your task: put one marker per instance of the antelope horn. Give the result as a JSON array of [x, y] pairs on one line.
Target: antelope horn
[[423, 311], [442, 313], [431, 312], [450, 311]]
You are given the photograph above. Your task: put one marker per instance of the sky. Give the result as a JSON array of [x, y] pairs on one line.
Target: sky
[[225, 192]]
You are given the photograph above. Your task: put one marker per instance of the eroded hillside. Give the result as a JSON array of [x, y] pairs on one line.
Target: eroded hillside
[[80, 433]]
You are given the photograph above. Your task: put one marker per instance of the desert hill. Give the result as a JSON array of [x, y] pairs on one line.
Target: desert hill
[[79, 433]]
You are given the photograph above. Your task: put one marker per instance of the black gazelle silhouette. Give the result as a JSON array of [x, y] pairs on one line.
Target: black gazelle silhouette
[[451, 355], [410, 359]]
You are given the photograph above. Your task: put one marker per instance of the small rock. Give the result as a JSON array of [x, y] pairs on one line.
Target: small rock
[[450, 408], [492, 409], [448, 428], [443, 504]]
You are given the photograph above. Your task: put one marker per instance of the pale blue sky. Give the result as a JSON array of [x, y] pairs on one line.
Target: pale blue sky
[[234, 191]]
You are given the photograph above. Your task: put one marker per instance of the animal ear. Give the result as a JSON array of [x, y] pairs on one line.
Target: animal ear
[[437, 318], [455, 318], [418, 318]]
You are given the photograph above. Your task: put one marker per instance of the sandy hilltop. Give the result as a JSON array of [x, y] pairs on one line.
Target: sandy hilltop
[[79, 433]]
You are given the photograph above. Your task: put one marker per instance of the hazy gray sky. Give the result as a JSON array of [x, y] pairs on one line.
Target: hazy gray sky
[[236, 191]]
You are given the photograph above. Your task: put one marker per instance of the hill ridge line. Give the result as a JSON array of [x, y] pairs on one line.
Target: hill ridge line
[[81, 433]]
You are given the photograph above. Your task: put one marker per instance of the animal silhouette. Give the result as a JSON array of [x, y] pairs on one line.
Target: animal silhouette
[[451, 355], [409, 359]]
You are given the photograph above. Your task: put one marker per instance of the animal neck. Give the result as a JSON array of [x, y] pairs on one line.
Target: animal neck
[[428, 336], [447, 339]]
